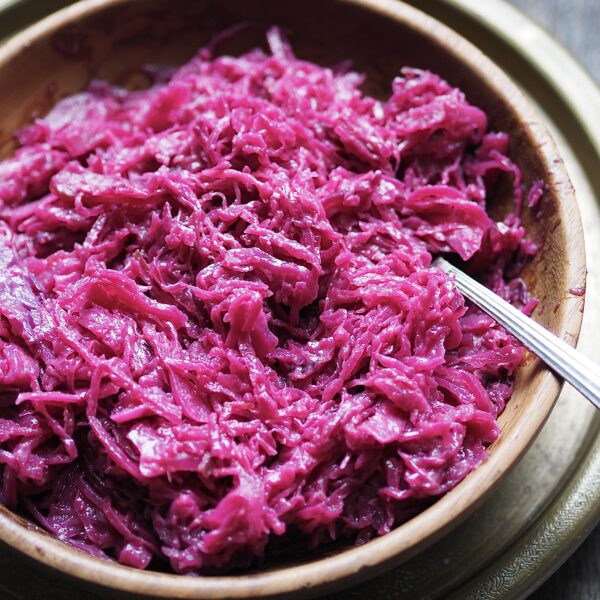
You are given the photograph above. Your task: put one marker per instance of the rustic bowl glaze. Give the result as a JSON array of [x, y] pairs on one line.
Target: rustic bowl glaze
[[110, 39]]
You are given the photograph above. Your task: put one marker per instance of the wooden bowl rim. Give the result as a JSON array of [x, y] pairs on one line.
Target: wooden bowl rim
[[360, 562]]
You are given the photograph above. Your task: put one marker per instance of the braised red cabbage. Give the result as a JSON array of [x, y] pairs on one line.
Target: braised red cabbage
[[219, 325]]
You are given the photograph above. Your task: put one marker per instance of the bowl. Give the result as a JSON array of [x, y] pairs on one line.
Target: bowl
[[110, 39]]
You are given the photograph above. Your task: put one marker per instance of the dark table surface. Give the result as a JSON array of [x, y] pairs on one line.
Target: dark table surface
[[575, 23]]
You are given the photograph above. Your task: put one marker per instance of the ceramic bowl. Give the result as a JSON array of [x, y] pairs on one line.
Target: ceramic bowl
[[110, 39]]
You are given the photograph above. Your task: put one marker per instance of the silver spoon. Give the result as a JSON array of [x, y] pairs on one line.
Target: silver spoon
[[568, 363]]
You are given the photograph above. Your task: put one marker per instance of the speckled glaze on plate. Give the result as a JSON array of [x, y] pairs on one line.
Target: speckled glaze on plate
[[538, 515]]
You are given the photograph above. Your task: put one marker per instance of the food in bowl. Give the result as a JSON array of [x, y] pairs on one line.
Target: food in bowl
[[220, 327]]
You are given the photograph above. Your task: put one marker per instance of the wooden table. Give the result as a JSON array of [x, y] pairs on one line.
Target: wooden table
[[575, 24]]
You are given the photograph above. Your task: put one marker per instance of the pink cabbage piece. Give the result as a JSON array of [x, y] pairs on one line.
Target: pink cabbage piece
[[218, 322]]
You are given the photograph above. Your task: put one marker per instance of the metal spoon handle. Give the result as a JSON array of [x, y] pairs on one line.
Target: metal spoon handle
[[568, 363]]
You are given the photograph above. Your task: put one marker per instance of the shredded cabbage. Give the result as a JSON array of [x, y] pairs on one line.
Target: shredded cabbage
[[219, 328]]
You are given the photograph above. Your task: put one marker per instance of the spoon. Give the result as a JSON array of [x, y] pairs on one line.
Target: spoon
[[565, 361]]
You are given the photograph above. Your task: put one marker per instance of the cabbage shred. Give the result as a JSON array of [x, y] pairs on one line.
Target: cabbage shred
[[218, 321]]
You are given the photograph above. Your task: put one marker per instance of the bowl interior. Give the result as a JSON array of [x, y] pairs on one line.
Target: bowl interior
[[112, 39]]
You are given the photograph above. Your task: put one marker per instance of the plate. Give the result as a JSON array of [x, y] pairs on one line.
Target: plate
[[546, 507]]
